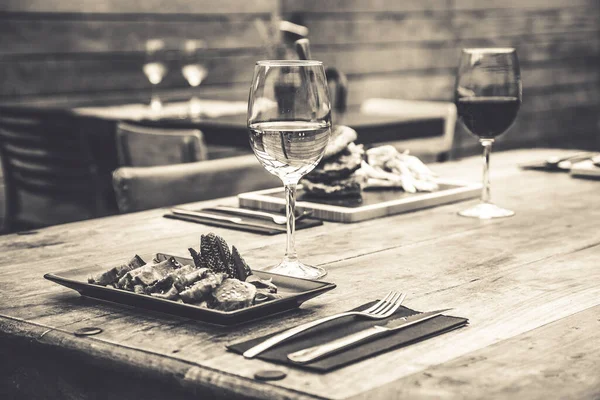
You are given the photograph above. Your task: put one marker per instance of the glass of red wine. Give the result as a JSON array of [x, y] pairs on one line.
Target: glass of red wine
[[488, 97], [289, 121]]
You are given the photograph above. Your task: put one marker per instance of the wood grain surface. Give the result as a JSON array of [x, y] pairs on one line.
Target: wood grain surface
[[528, 284]]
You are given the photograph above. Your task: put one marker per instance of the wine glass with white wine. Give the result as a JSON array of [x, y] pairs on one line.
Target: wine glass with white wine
[[289, 119], [155, 69], [194, 71]]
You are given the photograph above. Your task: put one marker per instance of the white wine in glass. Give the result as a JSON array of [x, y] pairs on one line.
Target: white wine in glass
[[289, 121]]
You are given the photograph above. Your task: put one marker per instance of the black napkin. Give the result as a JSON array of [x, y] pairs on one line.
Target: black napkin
[[266, 227], [346, 326], [543, 166]]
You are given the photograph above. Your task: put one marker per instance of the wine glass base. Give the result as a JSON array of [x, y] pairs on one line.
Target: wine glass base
[[486, 211], [297, 270]]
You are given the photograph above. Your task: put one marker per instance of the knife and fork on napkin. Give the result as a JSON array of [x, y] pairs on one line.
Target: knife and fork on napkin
[[335, 341]]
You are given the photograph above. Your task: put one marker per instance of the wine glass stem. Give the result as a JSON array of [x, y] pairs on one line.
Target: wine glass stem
[[290, 205], [487, 150]]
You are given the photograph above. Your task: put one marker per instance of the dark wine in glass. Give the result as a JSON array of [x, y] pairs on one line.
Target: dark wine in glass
[[488, 98], [488, 117]]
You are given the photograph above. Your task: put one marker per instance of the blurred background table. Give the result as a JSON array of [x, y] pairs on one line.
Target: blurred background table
[[224, 123]]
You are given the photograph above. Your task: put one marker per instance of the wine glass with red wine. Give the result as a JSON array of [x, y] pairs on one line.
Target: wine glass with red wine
[[289, 121], [488, 98]]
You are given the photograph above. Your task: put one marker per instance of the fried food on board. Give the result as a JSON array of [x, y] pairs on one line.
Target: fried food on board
[[219, 279], [346, 169], [335, 175], [387, 168]]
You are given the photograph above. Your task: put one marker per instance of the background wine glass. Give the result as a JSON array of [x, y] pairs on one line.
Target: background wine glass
[[289, 120], [194, 71], [488, 97], [155, 69]]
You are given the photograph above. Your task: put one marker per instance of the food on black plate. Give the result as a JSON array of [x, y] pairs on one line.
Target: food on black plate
[[219, 279], [116, 273], [335, 175], [201, 289], [233, 294]]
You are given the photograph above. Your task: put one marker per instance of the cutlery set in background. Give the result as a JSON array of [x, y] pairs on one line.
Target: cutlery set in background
[[243, 219], [581, 164]]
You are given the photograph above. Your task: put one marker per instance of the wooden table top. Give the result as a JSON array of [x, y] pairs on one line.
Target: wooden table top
[[530, 286]]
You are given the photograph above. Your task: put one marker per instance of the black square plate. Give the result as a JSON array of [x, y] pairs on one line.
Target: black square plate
[[295, 291]]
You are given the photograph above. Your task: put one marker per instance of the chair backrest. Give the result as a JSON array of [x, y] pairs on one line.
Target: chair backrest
[[143, 146], [436, 148], [142, 188], [46, 161]]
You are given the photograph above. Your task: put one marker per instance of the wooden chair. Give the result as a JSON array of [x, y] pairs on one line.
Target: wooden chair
[[142, 188], [50, 175], [144, 146]]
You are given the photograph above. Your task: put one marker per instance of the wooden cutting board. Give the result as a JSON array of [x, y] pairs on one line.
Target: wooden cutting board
[[372, 204]]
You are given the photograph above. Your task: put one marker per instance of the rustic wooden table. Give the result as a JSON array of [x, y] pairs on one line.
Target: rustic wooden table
[[530, 286]]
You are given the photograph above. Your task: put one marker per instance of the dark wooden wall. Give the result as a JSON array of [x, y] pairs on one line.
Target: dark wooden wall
[[409, 49], [68, 51], [80, 51]]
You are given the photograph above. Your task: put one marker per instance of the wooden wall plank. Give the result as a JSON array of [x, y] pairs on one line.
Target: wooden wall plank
[[574, 50], [230, 91], [70, 36], [548, 76], [407, 86], [378, 28], [517, 22], [372, 60], [442, 26], [520, 4], [361, 6], [110, 72], [141, 6]]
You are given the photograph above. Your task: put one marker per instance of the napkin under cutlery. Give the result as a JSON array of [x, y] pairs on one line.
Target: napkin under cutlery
[[342, 327]]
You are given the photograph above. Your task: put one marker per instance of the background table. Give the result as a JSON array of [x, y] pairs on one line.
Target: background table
[[529, 284], [228, 126]]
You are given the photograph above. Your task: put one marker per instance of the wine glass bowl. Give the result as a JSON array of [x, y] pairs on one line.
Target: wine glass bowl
[[488, 96], [155, 69], [289, 123], [194, 71]]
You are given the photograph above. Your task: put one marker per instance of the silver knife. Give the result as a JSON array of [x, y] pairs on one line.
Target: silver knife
[[215, 217], [312, 353], [277, 219]]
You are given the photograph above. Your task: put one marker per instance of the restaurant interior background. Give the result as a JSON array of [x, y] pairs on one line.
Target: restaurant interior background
[[83, 52]]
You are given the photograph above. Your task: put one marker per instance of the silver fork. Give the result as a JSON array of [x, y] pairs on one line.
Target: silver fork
[[380, 310]]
